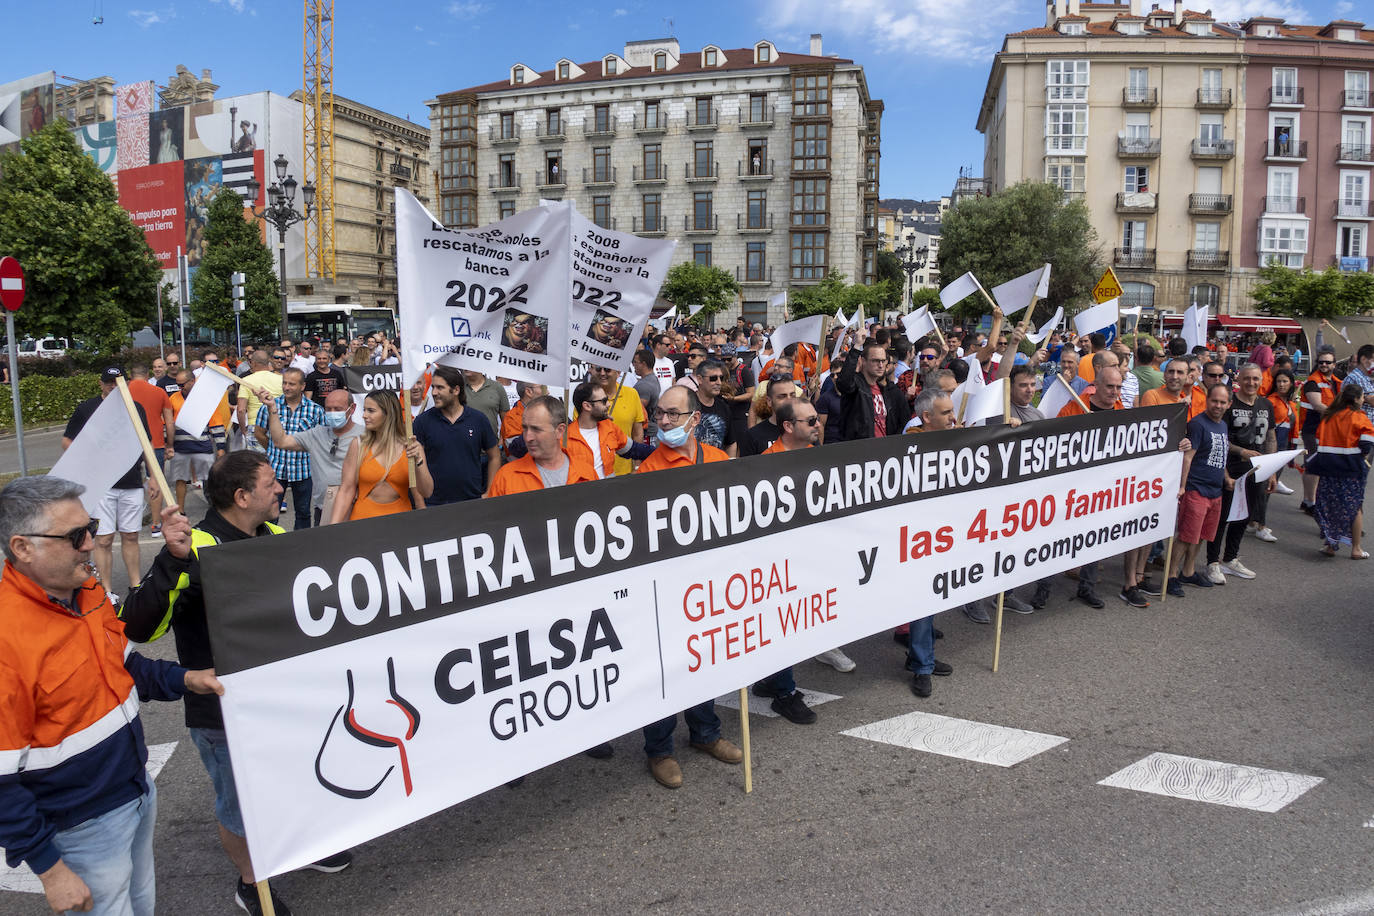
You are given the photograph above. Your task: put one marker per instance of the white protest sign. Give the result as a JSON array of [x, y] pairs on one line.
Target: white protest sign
[[1048, 327], [1017, 293], [494, 300], [206, 393], [1056, 397], [986, 402], [1240, 501], [101, 453], [1194, 326], [1097, 317], [918, 324], [959, 289], [1267, 466], [803, 330]]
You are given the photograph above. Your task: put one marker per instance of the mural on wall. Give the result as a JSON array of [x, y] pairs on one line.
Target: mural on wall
[[26, 105]]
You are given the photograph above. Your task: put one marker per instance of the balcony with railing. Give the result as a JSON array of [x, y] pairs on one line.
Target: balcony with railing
[[508, 182], [1284, 204], [400, 172], [699, 120], [658, 124], [599, 177], [1354, 154], [1134, 258], [757, 275], [1214, 149], [1352, 209], [700, 171], [697, 223], [551, 180], [1285, 151], [752, 171], [1139, 97], [1358, 100], [1137, 147], [1208, 259], [754, 222], [641, 226], [640, 175], [1209, 204], [755, 119], [1136, 202], [1213, 98], [608, 222], [551, 133], [593, 130], [1285, 96], [499, 136]]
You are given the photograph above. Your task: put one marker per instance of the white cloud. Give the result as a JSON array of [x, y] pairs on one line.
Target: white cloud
[[146, 18], [235, 5], [1240, 10], [466, 9], [1344, 7], [965, 30], [620, 11]]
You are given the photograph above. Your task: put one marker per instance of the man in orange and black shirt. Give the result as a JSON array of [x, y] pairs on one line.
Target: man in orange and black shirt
[[1318, 392]]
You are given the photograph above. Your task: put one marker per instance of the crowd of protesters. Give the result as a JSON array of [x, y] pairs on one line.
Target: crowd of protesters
[[694, 397]]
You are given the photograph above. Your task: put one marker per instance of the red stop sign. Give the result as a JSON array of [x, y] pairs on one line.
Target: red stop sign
[[11, 284]]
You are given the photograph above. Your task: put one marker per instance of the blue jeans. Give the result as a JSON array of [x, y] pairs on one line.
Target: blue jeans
[[113, 854], [783, 682], [703, 725], [300, 500], [214, 753], [920, 646]]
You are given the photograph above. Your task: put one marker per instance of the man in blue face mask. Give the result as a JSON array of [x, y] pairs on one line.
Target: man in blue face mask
[[326, 443]]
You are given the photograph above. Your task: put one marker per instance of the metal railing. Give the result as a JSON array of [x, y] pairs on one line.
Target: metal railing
[[1358, 98], [1288, 149], [1204, 259], [1209, 203], [504, 182], [1134, 257], [557, 131], [639, 173], [400, 171], [1214, 149], [1213, 98], [748, 169], [552, 180], [1285, 205], [693, 171], [1137, 146], [1136, 201], [1352, 208], [696, 120], [510, 135], [760, 274], [649, 226], [602, 175], [1349, 152], [746, 117], [594, 129], [694, 223], [759, 222], [1147, 97], [1285, 95], [657, 125]]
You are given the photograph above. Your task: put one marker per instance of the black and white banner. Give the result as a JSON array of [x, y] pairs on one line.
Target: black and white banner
[[494, 299], [367, 379], [380, 671]]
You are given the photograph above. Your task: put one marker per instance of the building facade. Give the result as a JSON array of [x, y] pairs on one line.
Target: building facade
[[760, 162], [1163, 123]]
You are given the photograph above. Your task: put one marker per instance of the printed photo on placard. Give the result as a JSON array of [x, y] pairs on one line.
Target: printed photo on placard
[[525, 332], [610, 330]]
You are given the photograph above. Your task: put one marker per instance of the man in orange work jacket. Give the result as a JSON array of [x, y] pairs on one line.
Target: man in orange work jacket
[[595, 437], [78, 806]]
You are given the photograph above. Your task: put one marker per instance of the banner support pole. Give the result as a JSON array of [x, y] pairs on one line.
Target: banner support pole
[[265, 898], [1168, 565], [744, 739], [997, 639], [154, 466], [1073, 394]]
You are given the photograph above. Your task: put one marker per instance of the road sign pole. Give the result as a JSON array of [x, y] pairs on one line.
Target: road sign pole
[[14, 392]]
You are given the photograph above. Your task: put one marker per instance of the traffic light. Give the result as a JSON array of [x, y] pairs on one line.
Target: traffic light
[[237, 280]]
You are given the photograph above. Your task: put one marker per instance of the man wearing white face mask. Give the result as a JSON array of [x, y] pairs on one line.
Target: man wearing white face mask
[[327, 444]]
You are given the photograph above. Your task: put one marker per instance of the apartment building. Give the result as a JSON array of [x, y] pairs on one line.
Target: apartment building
[[759, 161], [1164, 123]]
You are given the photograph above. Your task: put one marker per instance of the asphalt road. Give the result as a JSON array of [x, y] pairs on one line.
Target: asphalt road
[[1273, 673], [41, 447]]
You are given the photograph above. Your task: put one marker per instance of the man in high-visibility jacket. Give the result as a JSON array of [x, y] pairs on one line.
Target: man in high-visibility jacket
[[243, 494], [76, 804]]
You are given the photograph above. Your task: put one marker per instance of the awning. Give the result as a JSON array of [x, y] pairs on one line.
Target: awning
[[1260, 323]]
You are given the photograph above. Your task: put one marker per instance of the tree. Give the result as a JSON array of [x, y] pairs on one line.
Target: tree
[[889, 268], [232, 243], [927, 297], [1307, 293], [1015, 231], [690, 283], [89, 272], [834, 293]]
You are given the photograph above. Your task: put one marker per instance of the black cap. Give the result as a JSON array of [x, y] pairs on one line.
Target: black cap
[[111, 373]]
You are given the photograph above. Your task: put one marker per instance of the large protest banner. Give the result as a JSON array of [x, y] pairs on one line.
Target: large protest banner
[[494, 300], [380, 671]]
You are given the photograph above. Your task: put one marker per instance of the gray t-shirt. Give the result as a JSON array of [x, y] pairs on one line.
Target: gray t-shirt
[[554, 478], [490, 400], [1025, 414], [327, 452], [649, 390]]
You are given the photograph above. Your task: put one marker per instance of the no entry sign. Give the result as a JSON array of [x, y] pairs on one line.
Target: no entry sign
[[11, 284]]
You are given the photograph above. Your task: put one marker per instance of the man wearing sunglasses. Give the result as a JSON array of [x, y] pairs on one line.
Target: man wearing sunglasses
[[79, 807], [1318, 392], [326, 444], [595, 438]]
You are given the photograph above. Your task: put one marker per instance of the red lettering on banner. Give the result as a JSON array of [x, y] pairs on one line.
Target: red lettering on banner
[[920, 544]]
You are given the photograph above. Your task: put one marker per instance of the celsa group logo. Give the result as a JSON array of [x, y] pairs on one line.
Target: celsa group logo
[[376, 738]]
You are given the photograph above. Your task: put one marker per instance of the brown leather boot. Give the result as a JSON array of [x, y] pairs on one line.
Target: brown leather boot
[[666, 771]]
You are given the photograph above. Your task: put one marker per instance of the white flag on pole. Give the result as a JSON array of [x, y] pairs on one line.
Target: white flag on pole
[[985, 403], [1056, 396], [958, 289], [1267, 466], [840, 319], [918, 324], [779, 300], [1194, 330], [1096, 317], [803, 330], [693, 309], [1048, 327], [1017, 293], [205, 396], [101, 453], [1240, 503]]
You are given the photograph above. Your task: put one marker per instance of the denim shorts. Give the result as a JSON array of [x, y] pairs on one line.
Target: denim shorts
[[214, 753]]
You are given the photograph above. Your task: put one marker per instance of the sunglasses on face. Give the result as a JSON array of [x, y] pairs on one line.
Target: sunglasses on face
[[76, 537], [809, 421]]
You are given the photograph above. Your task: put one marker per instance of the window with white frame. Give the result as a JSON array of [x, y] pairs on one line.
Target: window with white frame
[[1207, 237], [1131, 28], [1135, 294], [1357, 88], [1133, 234], [1066, 128], [1355, 138], [1066, 80], [1285, 85], [1072, 28], [1354, 199], [1283, 191], [1210, 129], [1137, 179], [1354, 237], [1068, 174], [1138, 125], [1283, 241], [1204, 294]]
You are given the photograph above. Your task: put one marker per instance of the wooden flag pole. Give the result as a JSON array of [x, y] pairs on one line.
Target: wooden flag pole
[[409, 422], [1168, 565], [154, 465], [265, 898], [744, 739], [1073, 394], [216, 367], [1001, 596]]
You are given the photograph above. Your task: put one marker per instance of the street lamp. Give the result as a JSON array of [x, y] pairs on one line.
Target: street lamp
[[280, 212], [913, 259]]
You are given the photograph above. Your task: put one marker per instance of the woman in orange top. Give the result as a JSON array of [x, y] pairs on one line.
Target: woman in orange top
[[375, 476], [1283, 395]]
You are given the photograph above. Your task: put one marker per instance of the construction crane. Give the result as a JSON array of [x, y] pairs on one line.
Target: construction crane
[[318, 120]]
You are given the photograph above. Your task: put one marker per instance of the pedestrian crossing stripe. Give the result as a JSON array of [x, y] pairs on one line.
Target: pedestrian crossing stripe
[[960, 738], [1212, 781]]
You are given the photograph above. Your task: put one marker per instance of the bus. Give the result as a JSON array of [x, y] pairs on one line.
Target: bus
[[329, 322]]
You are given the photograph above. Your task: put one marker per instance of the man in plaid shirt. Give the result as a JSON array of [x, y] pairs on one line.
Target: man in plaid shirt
[[297, 415]]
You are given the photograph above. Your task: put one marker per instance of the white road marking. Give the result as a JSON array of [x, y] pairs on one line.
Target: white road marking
[[1212, 781], [1359, 903], [961, 738], [23, 881], [758, 706]]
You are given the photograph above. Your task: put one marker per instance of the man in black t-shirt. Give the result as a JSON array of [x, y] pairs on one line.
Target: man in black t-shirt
[[715, 427], [1250, 427], [325, 378], [764, 433]]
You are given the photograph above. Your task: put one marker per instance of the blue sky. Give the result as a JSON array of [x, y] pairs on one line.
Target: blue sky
[[928, 60]]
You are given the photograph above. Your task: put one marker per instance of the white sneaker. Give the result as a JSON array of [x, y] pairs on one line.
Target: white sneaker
[[1264, 534], [1283, 488], [837, 660], [1214, 574], [1237, 568]]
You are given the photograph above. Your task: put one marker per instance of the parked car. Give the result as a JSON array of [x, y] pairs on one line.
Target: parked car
[[46, 347]]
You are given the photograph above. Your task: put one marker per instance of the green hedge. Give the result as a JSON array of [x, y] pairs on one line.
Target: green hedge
[[46, 399]]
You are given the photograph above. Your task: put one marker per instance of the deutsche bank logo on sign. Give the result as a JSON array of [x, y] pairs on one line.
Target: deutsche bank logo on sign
[[460, 326]]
